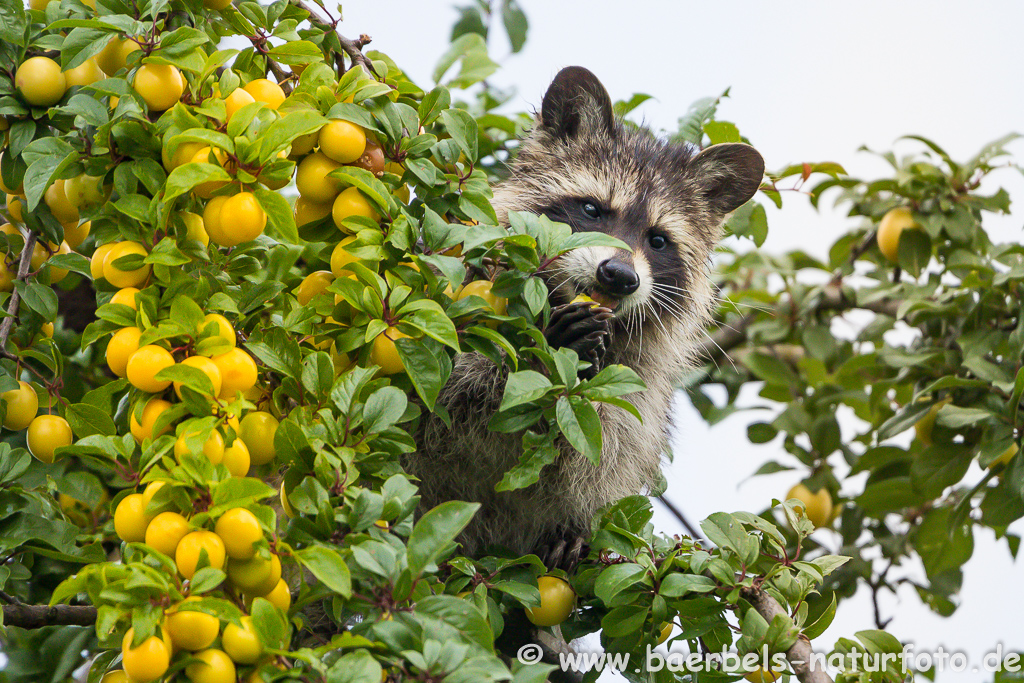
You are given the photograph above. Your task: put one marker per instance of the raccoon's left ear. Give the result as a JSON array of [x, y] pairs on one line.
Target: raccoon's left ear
[[577, 104], [728, 175]]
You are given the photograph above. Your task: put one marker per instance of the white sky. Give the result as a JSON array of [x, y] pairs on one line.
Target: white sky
[[812, 82]]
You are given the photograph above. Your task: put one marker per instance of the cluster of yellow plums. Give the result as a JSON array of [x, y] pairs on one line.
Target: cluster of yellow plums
[[46, 433], [232, 545]]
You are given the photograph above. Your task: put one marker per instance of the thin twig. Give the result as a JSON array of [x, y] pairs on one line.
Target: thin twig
[[690, 529], [9, 599], [259, 42], [832, 298], [876, 585], [12, 306], [38, 616], [353, 48]]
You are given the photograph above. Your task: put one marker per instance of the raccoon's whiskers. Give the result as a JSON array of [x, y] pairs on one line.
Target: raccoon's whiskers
[[735, 304], [664, 298], [677, 312]]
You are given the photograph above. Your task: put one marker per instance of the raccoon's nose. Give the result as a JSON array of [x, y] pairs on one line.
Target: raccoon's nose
[[617, 277]]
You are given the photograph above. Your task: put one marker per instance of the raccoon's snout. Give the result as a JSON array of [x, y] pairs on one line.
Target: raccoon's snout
[[617, 278]]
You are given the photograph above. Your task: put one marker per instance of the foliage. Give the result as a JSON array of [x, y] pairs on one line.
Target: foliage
[[372, 590], [938, 331]]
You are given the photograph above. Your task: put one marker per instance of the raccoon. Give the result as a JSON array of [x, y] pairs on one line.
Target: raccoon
[[582, 166]]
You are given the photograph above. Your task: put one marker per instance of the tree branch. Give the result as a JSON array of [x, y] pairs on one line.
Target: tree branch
[[798, 656], [724, 339], [12, 306], [353, 48], [678, 514], [832, 299], [38, 616]]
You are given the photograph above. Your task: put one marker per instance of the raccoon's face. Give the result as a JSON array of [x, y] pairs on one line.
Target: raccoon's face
[[664, 201]]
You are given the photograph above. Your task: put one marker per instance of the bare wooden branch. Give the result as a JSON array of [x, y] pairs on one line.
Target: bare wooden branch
[[678, 514], [798, 656], [832, 299], [38, 616], [15, 301]]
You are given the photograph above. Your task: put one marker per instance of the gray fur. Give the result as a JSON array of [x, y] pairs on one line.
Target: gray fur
[[577, 150]]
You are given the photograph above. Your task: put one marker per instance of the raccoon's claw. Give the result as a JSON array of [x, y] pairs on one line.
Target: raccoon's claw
[[564, 553], [583, 328]]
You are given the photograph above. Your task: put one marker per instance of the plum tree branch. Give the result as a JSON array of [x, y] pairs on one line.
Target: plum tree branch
[[799, 655], [718, 345], [12, 306], [678, 514], [38, 616], [353, 48]]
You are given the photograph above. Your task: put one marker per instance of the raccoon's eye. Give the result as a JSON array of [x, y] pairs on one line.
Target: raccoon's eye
[[591, 210], [657, 242]]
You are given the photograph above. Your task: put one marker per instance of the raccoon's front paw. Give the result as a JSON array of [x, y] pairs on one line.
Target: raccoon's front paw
[[584, 328], [564, 551]]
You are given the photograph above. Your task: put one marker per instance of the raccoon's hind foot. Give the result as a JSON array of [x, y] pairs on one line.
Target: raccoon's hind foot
[[584, 328], [564, 552]]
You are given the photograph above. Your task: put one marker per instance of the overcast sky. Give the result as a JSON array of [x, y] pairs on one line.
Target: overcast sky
[[812, 82]]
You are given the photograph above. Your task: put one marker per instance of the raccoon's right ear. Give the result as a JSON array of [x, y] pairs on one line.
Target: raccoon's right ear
[[577, 104], [728, 174]]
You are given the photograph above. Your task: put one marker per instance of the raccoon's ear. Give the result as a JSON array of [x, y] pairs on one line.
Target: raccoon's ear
[[576, 103], [728, 175]]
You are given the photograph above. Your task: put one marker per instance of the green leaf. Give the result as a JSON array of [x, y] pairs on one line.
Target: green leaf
[[39, 298], [523, 387], [623, 621], [383, 409], [190, 376], [581, 425], [271, 625], [722, 131], [433, 103], [318, 374], [516, 24], [463, 129], [282, 132], [13, 23], [328, 567], [471, 48], [296, 52], [677, 584], [187, 176], [942, 547], [915, 250], [280, 218], [435, 532], [427, 365], [86, 420], [355, 667], [613, 381], [823, 621], [770, 369], [617, 578], [373, 189], [538, 452]]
